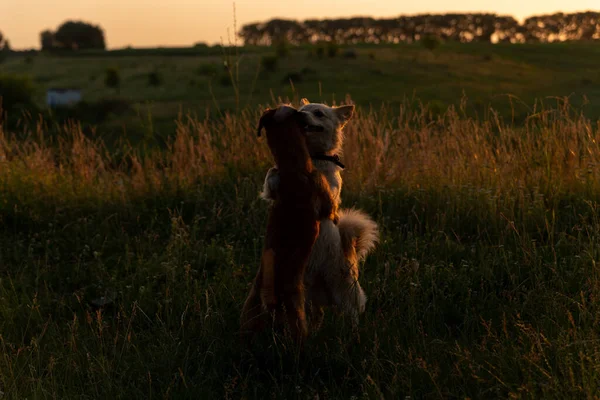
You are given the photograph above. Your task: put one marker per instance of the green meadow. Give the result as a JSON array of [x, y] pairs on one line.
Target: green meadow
[[509, 78]]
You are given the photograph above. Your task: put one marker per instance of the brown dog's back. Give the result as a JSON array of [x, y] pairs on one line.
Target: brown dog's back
[[293, 225]]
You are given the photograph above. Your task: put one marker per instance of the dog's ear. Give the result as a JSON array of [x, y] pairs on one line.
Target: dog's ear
[[304, 101], [344, 113], [265, 119]]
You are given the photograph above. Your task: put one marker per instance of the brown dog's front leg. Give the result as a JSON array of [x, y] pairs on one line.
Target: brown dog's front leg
[[325, 207], [261, 297], [251, 320], [296, 318]]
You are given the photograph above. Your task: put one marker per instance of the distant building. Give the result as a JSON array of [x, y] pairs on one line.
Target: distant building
[[63, 97]]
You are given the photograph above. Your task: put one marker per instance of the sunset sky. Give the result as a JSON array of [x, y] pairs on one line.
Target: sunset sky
[[145, 23]]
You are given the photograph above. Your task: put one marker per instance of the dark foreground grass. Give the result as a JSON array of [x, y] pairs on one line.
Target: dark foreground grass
[[124, 277]]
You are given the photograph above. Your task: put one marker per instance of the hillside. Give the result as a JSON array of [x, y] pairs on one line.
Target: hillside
[[486, 74]]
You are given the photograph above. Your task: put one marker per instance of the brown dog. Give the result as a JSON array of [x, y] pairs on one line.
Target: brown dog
[[302, 200]]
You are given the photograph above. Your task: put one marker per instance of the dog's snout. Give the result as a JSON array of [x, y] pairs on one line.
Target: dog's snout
[[306, 120]]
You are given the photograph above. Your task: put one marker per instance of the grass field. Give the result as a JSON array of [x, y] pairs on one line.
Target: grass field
[[195, 81], [122, 273], [125, 279]]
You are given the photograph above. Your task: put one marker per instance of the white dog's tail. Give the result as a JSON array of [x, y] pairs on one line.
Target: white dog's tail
[[357, 230]]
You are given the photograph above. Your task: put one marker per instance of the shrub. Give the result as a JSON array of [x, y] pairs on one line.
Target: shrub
[[112, 79], [110, 105], [320, 50], [430, 42], [155, 78], [207, 70], [269, 63], [350, 53], [16, 91], [332, 49], [307, 71], [225, 79], [295, 77]]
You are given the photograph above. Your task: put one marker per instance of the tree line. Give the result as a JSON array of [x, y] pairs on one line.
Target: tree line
[[79, 35], [452, 27]]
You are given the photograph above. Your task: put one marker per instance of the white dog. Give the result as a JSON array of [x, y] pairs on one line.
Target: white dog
[[332, 275]]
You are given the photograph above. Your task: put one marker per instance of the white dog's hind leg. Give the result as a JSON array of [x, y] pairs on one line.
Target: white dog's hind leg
[[349, 296]]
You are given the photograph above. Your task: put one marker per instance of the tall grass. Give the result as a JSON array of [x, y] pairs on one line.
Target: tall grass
[[122, 275]]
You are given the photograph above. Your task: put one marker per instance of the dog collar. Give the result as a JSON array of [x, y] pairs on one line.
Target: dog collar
[[334, 159]]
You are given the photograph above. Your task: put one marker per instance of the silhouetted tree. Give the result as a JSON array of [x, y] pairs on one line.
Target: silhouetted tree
[[4, 47], [4, 43], [447, 27], [80, 35], [47, 40]]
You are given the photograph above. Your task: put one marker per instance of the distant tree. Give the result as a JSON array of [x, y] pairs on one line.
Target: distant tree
[[4, 42], [486, 28], [430, 42], [4, 47], [252, 35], [112, 79], [480, 27], [587, 32], [283, 29], [47, 40], [80, 35]]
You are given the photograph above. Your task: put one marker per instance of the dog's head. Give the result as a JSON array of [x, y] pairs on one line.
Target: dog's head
[[273, 116], [324, 124], [286, 135], [285, 114]]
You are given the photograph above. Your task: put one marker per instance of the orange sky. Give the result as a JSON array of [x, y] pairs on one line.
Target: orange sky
[[144, 23]]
